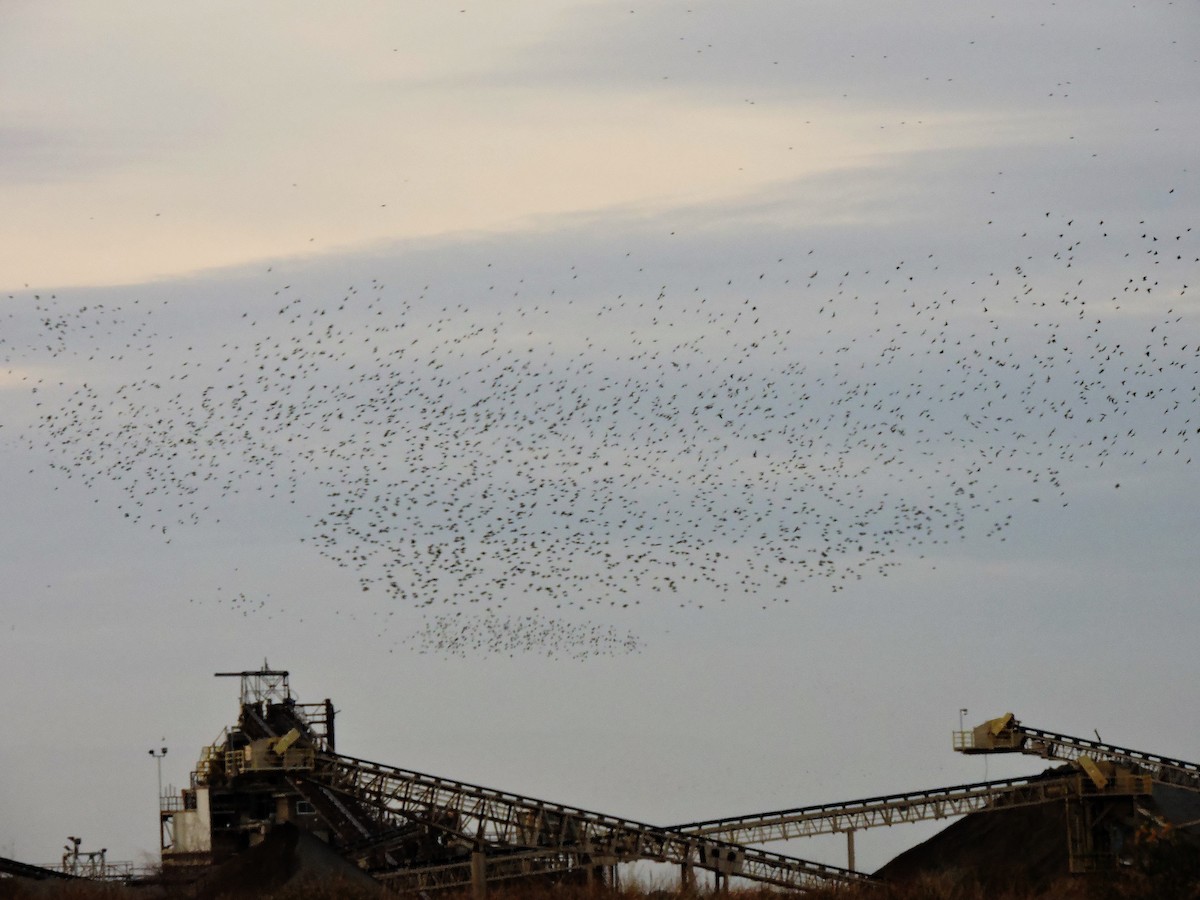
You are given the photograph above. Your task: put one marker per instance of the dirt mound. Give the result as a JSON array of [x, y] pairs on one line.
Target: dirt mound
[[287, 856], [1026, 848], [1012, 848]]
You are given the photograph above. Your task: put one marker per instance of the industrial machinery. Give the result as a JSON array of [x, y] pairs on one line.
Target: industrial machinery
[[279, 765], [414, 831], [411, 830], [76, 864], [1100, 782], [849, 817], [1006, 734], [1118, 774]]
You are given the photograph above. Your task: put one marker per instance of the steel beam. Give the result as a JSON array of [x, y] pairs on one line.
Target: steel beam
[[893, 809], [505, 821]]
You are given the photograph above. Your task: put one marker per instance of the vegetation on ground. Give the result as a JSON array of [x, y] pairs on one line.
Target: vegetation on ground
[[1168, 884]]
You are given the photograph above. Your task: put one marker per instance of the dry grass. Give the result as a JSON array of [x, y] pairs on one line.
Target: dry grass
[[1169, 878]]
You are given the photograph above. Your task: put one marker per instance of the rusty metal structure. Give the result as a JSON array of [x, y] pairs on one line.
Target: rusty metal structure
[[247, 779], [1114, 778], [849, 817], [1006, 734], [411, 830], [76, 864], [415, 832], [418, 832]]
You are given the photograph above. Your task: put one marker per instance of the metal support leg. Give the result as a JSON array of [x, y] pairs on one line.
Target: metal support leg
[[478, 875], [850, 849]]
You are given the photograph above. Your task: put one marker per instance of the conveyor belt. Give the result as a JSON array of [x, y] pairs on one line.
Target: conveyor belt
[[890, 809], [1012, 736], [28, 870], [500, 821]]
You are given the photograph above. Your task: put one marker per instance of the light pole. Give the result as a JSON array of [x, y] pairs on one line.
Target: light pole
[[962, 712], [158, 758]]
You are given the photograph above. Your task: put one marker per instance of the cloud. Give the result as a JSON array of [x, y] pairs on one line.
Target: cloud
[[930, 57], [35, 155], [195, 145]]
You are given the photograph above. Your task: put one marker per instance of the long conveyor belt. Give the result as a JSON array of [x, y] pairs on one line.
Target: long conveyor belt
[[893, 809], [28, 870], [507, 822], [1007, 735]]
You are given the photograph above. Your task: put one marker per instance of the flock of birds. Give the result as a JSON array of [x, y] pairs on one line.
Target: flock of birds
[[455, 634], [514, 468]]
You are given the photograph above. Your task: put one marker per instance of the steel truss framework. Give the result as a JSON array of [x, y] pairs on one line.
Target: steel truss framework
[[464, 874], [467, 834], [1049, 745], [498, 823], [894, 809], [261, 685]]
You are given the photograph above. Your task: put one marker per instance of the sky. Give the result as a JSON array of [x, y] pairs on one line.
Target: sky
[[674, 410]]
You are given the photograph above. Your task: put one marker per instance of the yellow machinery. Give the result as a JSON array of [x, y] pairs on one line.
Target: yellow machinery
[[1000, 735]]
